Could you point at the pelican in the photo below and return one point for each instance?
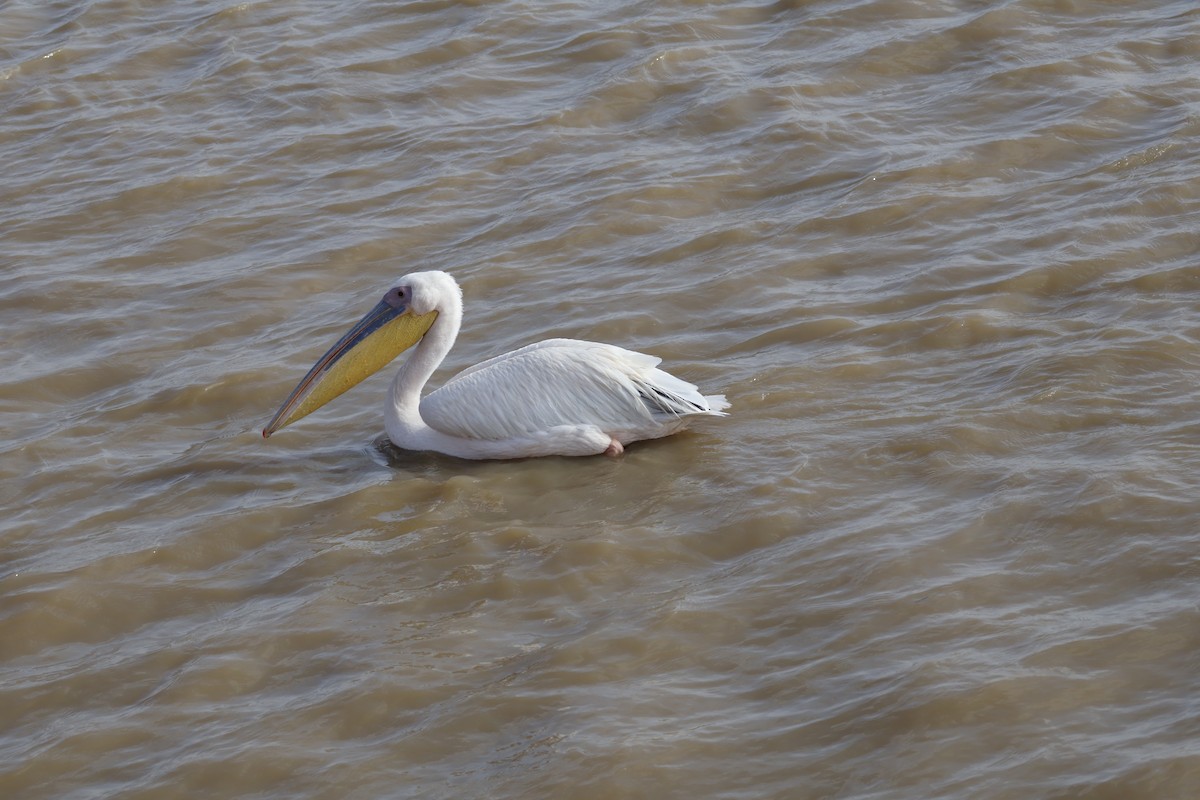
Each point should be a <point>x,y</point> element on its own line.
<point>557,397</point>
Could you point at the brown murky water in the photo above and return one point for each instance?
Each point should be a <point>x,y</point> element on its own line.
<point>941,255</point>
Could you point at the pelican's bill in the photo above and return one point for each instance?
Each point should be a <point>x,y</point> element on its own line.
<point>384,333</point>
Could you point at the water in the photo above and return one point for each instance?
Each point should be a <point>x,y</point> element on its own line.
<point>941,256</point>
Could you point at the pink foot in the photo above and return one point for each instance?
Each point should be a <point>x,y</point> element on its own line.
<point>614,449</point>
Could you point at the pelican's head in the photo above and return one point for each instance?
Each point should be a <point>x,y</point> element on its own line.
<point>396,323</point>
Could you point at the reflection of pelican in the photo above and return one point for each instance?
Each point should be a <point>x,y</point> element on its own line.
<point>557,397</point>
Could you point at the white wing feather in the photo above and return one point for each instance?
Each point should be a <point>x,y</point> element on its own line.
<point>563,382</point>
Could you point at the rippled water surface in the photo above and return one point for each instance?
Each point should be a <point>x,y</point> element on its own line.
<point>941,255</point>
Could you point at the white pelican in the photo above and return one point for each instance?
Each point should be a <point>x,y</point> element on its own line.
<point>557,397</point>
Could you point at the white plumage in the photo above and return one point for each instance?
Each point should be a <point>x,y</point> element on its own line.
<point>556,397</point>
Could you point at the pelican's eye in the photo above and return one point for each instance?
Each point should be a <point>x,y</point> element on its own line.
<point>397,296</point>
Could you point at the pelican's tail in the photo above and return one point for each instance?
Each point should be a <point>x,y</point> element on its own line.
<point>717,404</point>
<point>668,396</point>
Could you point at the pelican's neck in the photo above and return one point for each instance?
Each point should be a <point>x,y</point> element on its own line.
<point>428,354</point>
<point>402,418</point>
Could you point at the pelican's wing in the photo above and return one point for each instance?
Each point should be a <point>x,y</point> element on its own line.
<point>560,382</point>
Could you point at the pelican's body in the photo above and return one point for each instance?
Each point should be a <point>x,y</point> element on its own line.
<point>556,397</point>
